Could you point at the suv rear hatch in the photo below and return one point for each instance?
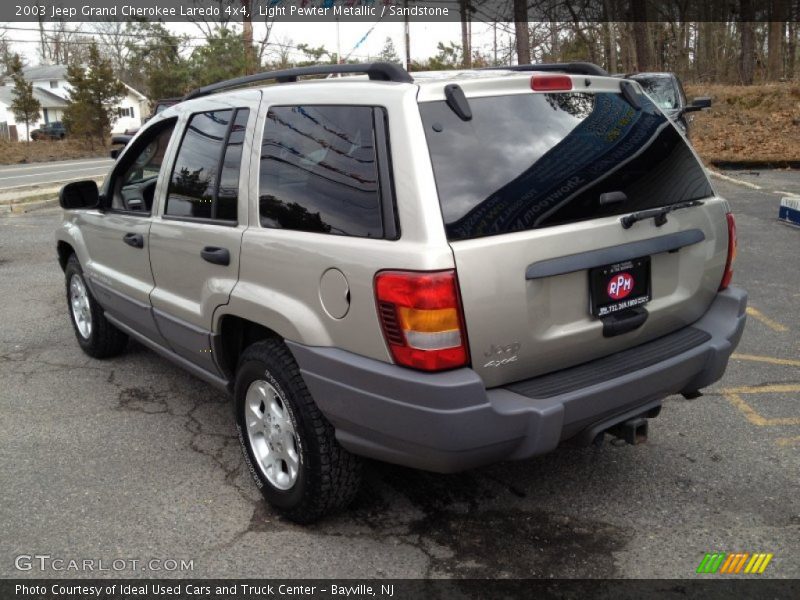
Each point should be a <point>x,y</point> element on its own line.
<point>532,189</point>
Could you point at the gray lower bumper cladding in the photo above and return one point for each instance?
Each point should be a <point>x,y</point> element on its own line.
<point>449,421</point>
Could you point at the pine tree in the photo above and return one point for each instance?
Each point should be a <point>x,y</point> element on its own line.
<point>95,92</point>
<point>25,106</point>
<point>389,54</point>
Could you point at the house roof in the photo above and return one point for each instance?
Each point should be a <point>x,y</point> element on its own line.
<point>45,72</point>
<point>59,72</point>
<point>45,98</point>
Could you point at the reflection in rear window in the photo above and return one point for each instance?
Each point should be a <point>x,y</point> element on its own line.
<point>535,160</point>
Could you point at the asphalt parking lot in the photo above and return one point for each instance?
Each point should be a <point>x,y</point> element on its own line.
<point>134,459</point>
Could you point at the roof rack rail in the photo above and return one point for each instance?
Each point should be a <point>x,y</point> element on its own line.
<point>574,68</point>
<point>377,71</point>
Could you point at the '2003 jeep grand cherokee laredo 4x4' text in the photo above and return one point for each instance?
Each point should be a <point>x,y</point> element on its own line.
<point>438,272</point>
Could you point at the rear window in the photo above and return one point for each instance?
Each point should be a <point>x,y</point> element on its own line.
<point>535,160</point>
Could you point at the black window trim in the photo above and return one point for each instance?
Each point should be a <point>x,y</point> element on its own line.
<point>125,162</point>
<point>208,221</point>
<point>386,192</point>
<point>390,222</point>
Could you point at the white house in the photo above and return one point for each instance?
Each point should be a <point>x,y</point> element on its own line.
<point>51,88</point>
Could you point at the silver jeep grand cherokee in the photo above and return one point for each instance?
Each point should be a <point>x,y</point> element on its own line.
<point>439,272</point>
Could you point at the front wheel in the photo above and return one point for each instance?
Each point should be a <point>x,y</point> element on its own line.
<point>96,336</point>
<point>290,448</point>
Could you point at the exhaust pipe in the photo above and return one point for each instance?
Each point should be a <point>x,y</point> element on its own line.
<point>632,431</point>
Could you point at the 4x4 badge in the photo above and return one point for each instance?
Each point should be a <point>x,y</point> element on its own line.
<point>503,354</point>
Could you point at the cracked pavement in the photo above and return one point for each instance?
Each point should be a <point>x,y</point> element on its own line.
<point>133,458</point>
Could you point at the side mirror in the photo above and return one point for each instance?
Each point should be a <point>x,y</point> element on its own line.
<point>698,104</point>
<point>115,153</point>
<point>79,194</point>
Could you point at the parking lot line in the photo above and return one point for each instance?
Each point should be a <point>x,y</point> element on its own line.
<point>774,388</point>
<point>752,415</point>
<point>767,359</point>
<point>789,441</point>
<point>759,316</point>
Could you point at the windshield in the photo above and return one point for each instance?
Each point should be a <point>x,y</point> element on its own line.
<point>527,161</point>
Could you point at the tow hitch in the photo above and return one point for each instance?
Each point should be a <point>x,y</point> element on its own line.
<point>632,431</point>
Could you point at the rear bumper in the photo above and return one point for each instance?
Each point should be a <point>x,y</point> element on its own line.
<point>448,421</point>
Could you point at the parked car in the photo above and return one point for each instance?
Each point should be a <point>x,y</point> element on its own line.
<point>440,272</point>
<point>50,131</point>
<point>667,92</point>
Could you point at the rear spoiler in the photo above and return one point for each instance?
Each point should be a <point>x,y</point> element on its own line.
<point>572,68</point>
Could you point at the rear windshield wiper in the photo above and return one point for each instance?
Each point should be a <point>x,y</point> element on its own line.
<point>659,214</point>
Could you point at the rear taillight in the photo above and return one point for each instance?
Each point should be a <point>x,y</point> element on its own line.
<point>551,83</point>
<point>728,274</point>
<point>421,318</point>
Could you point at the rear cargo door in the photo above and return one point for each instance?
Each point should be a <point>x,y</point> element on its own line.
<point>532,191</point>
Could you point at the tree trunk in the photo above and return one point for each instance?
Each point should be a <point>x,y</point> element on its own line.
<point>775,41</point>
<point>521,27</point>
<point>626,48</point>
<point>748,43</point>
<point>791,50</point>
<point>640,36</point>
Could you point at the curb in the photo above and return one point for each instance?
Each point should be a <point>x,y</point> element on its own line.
<point>25,207</point>
<point>14,202</point>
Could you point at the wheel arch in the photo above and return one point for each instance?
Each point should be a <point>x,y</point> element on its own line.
<point>64,250</point>
<point>233,335</point>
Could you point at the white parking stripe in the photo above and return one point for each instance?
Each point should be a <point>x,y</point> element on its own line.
<point>719,175</point>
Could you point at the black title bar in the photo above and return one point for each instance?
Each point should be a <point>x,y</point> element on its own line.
<point>388,10</point>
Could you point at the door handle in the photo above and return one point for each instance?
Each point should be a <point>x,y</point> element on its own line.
<point>134,239</point>
<point>218,256</point>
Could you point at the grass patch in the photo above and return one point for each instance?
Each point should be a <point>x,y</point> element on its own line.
<point>12,153</point>
<point>759,123</point>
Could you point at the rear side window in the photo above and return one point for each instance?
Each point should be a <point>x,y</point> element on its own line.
<point>536,160</point>
<point>319,171</point>
<point>205,178</point>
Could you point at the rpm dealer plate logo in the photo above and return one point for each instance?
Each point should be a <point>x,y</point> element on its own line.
<point>620,286</point>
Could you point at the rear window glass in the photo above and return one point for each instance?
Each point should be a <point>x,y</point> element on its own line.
<point>535,160</point>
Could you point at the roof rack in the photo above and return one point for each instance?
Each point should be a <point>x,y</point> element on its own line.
<point>377,71</point>
<point>574,68</point>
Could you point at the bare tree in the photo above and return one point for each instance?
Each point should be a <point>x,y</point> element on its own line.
<point>208,26</point>
<point>114,38</point>
<point>61,43</point>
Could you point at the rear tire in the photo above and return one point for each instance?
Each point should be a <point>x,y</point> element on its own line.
<point>96,336</point>
<point>290,449</point>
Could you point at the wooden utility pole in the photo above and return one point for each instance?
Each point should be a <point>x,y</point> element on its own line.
<point>247,38</point>
<point>407,37</point>
<point>521,28</point>
<point>466,60</point>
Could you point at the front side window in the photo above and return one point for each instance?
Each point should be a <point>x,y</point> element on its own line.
<point>136,186</point>
<point>319,171</point>
<point>205,178</point>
